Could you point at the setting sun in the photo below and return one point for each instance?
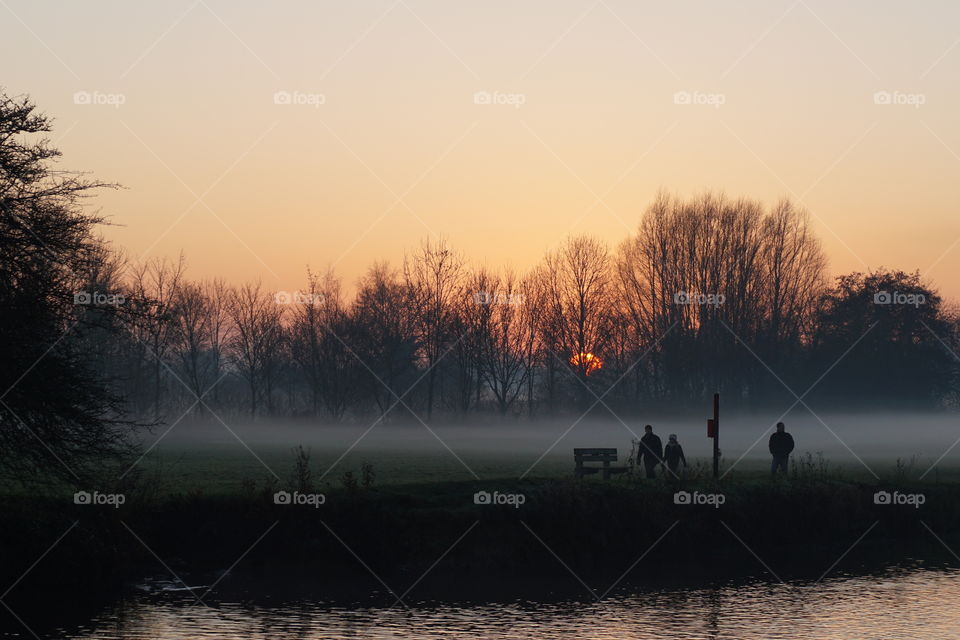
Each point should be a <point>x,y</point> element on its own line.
<point>588,361</point>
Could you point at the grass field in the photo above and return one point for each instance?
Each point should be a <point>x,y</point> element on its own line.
<point>212,458</point>
<point>222,468</point>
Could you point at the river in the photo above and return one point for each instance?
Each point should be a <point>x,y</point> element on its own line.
<point>911,604</point>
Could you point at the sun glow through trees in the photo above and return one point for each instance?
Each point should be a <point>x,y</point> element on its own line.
<point>587,361</point>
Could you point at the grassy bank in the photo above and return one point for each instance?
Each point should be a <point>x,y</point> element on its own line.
<point>804,525</point>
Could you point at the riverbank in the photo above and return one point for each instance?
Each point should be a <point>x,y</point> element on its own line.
<point>452,537</point>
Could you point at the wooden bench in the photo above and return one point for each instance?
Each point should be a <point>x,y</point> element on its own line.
<point>604,455</point>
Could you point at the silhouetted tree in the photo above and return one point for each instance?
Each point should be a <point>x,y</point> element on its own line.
<point>901,355</point>
<point>432,278</point>
<point>155,290</point>
<point>463,374</point>
<point>577,295</point>
<point>256,340</point>
<point>319,333</point>
<point>58,417</point>
<point>194,339</point>
<point>384,338</point>
<point>496,335</point>
<point>703,279</point>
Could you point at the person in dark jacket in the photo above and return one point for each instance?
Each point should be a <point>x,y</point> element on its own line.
<point>781,444</point>
<point>651,450</point>
<point>673,455</point>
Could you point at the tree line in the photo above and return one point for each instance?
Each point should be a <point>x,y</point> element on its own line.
<point>710,294</point>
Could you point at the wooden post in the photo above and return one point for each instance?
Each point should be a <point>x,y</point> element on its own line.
<point>716,435</point>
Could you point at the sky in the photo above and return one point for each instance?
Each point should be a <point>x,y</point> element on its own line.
<point>259,138</point>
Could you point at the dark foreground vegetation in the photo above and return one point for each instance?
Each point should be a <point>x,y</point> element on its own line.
<point>621,533</point>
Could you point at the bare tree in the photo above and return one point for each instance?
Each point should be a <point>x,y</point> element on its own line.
<point>471,322</point>
<point>194,338</point>
<point>503,341</point>
<point>220,327</point>
<point>384,336</point>
<point>794,267</point>
<point>319,330</point>
<point>155,288</point>
<point>576,294</point>
<point>530,341</point>
<point>256,337</point>
<point>713,272</point>
<point>433,278</point>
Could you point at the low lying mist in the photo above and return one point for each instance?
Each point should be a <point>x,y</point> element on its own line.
<point>845,439</point>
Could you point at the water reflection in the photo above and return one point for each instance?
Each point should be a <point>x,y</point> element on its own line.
<point>914,604</point>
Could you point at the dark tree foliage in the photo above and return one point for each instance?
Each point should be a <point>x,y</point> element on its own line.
<point>887,338</point>
<point>57,416</point>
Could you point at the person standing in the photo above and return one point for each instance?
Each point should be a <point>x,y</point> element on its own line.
<point>781,444</point>
<point>651,449</point>
<point>673,455</point>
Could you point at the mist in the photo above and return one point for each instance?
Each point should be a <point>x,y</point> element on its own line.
<point>867,443</point>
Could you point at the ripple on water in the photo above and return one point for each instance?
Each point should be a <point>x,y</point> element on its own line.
<point>914,605</point>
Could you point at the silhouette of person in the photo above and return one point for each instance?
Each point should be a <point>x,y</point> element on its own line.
<point>673,455</point>
<point>651,449</point>
<point>781,444</point>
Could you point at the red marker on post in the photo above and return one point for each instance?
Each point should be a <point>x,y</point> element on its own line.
<point>713,431</point>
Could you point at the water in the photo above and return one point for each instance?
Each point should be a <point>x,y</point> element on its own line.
<point>910,604</point>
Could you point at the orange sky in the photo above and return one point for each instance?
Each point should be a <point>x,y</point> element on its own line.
<point>383,141</point>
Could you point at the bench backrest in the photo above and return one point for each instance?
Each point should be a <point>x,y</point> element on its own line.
<point>596,454</point>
